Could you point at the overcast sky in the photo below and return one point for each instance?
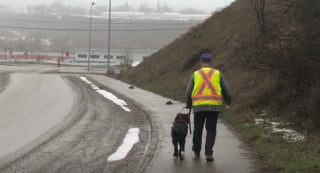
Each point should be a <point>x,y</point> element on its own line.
<point>204,5</point>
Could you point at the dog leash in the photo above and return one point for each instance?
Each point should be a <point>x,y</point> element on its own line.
<point>189,121</point>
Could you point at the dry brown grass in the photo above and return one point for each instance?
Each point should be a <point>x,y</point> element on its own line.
<point>254,90</point>
<point>168,70</point>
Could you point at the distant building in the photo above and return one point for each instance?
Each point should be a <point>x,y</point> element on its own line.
<point>117,56</point>
<point>9,55</point>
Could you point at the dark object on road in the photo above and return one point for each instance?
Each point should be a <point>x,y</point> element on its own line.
<point>179,131</point>
<point>131,87</point>
<point>169,102</point>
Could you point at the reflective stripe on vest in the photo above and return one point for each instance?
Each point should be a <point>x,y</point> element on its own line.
<point>207,89</point>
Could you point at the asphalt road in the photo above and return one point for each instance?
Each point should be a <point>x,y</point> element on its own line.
<point>94,128</point>
<point>58,123</point>
<point>30,105</point>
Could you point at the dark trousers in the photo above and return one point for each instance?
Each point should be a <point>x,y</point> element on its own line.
<point>210,119</point>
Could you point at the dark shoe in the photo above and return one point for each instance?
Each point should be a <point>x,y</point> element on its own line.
<point>209,158</point>
<point>181,155</point>
<point>197,154</point>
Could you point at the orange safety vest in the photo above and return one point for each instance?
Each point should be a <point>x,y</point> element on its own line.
<point>207,89</point>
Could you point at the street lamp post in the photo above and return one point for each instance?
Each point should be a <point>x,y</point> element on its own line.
<point>108,60</point>
<point>5,54</point>
<point>90,36</point>
<point>26,54</point>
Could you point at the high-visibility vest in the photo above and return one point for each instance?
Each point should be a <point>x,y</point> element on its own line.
<point>207,89</point>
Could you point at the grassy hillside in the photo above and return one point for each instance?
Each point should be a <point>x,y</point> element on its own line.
<point>268,80</point>
<point>168,70</point>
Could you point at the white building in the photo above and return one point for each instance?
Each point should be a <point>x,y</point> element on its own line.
<point>117,56</point>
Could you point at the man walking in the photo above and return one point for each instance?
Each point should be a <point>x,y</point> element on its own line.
<point>204,94</point>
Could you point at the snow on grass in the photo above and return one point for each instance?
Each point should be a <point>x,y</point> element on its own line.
<point>288,134</point>
<point>107,95</point>
<point>258,121</point>
<point>131,138</point>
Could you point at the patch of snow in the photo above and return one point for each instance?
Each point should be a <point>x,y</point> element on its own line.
<point>288,134</point>
<point>131,138</point>
<point>275,124</point>
<point>114,99</point>
<point>258,121</point>
<point>107,95</point>
<point>85,80</point>
<point>93,86</point>
<point>294,137</point>
<point>135,63</point>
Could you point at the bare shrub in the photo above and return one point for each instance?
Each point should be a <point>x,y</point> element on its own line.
<point>259,10</point>
<point>295,63</point>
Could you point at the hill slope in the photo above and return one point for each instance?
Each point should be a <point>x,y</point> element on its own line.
<point>273,73</point>
<point>262,72</point>
<point>168,70</point>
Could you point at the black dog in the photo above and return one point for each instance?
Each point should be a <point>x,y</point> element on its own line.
<point>179,132</point>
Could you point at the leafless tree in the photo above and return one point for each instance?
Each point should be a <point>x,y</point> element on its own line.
<point>259,10</point>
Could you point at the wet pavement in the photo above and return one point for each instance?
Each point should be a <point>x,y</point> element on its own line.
<point>231,155</point>
<point>81,142</point>
<point>22,108</point>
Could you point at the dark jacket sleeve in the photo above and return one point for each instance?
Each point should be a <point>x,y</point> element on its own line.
<point>189,92</point>
<point>225,90</point>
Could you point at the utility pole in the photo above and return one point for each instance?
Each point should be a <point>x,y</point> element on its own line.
<point>26,53</point>
<point>108,60</point>
<point>89,53</point>
<point>62,54</point>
